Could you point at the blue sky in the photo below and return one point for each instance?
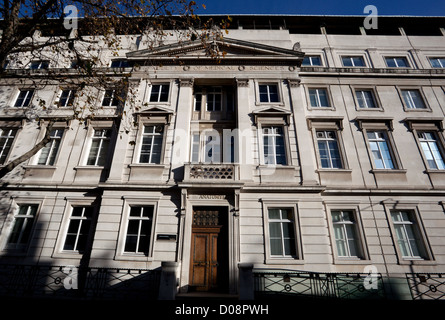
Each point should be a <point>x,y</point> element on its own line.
<point>318,7</point>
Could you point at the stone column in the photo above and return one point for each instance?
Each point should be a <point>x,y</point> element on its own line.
<point>244,152</point>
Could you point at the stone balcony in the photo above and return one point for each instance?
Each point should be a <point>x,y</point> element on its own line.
<point>207,172</point>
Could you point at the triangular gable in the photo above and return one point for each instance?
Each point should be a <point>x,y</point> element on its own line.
<point>228,49</point>
<point>157,112</point>
<point>271,112</point>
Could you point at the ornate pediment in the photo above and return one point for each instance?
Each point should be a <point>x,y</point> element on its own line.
<point>225,51</point>
<point>272,113</point>
<point>156,112</point>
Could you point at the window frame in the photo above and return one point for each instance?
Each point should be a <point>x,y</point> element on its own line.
<point>130,202</point>
<point>405,58</point>
<point>298,258</point>
<point>26,98</point>
<point>114,99</point>
<point>51,142</point>
<point>266,82</point>
<point>413,208</point>
<point>158,100</point>
<point>39,64</point>
<point>70,101</point>
<point>101,139</point>
<point>71,202</point>
<point>406,108</point>
<point>330,105</point>
<point>362,247</point>
<point>310,56</point>
<point>351,57</point>
<point>10,223</point>
<point>11,146</point>
<point>375,97</point>
<point>441,63</point>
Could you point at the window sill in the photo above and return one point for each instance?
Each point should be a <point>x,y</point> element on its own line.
<point>284,260</point>
<point>133,257</point>
<point>385,171</point>
<point>351,260</point>
<point>419,262</point>
<point>93,168</point>
<point>330,170</point>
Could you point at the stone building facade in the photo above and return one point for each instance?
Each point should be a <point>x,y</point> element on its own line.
<point>314,145</point>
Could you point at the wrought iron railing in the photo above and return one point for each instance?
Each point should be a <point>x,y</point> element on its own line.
<point>426,286</point>
<point>74,282</point>
<point>318,285</point>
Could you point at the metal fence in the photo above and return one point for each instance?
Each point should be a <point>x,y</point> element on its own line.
<point>318,285</point>
<point>79,283</point>
<point>426,286</point>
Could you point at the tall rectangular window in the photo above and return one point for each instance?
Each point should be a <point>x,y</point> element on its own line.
<point>319,98</point>
<point>50,150</point>
<point>345,233</point>
<point>365,99</point>
<point>24,98</point>
<point>353,61</point>
<point>396,62</point>
<point>67,98</point>
<point>380,149</point>
<point>431,150</point>
<point>274,148</point>
<point>328,149</point>
<point>99,147</point>
<point>139,230</point>
<point>151,146</point>
<point>214,99</point>
<point>407,234</point>
<point>268,93</point>
<point>111,98</point>
<point>78,229</point>
<point>437,62</point>
<point>282,232</point>
<point>413,99</point>
<point>159,93</point>
<point>22,227</point>
<point>6,139</point>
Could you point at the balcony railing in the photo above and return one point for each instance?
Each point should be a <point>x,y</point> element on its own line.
<point>211,172</point>
<point>426,286</point>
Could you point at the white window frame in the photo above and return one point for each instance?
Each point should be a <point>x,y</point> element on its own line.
<point>378,141</point>
<point>317,91</point>
<point>54,145</point>
<point>70,99</point>
<point>8,138</point>
<point>351,59</point>
<point>311,56</point>
<point>407,107</point>
<point>39,64</point>
<point>408,64</point>
<point>326,140</point>
<point>129,202</point>
<point>274,259</point>
<point>28,97</point>
<point>272,137</point>
<point>440,60</point>
<point>276,83</point>
<point>375,99</point>
<point>114,101</point>
<point>142,134</point>
<point>105,134</point>
<point>158,98</point>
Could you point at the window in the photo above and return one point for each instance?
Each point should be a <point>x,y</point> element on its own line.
<point>319,98</point>
<point>328,149</point>
<point>67,98</point>
<point>365,99</point>
<point>78,229</point>
<point>268,93</point>
<point>41,64</point>
<point>437,62</point>
<point>6,139</point>
<point>312,61</point>
<point>99,147</point>
<point>274,149</point>
<point>121,63</point>
<point>407,234</point>
<point>139,230</point>
<point>413,99</point>
<point>111,98</point>
<point>50,150</point>
<point>345,233</point>
<point>396,62</point>
<point>22,227</point>
<point>159,93</point>
<point>353,61</point>
<point>214,99</point>
<point>282,232</point>
<point>379,145</point>
<point>213,146</point>
<point>431,151</point>
<point>151,147</point>
<point>24,98</point>
<point>198,100</point>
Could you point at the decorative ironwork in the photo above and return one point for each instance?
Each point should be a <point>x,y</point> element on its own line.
<point>426,286</point>
<point>318,285</point>
<point>205,218</point>
<point>91,283</point>
<point>209,171</point>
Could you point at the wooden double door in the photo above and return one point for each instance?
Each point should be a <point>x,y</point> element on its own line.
<point>209,256</point>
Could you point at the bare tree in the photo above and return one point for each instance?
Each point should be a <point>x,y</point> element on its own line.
<point>36,34</point>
